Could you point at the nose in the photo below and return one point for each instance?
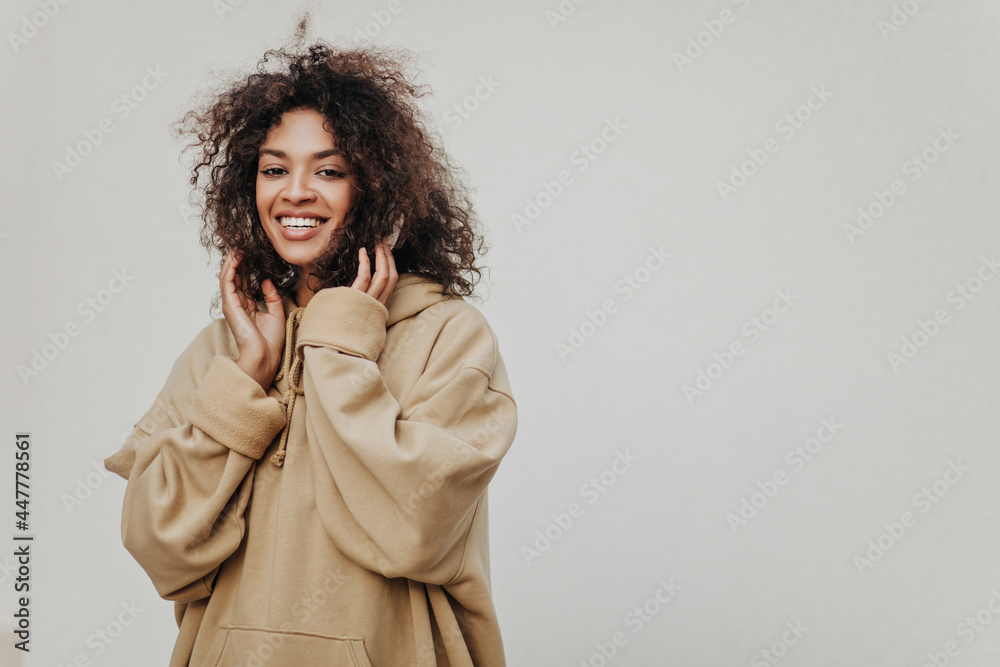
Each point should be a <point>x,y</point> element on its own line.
<point>299,188</point>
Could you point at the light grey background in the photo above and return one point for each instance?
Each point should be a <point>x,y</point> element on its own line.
<point>556,86</point>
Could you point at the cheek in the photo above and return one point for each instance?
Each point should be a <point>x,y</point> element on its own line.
<point>264,199</point>
<point>346,197</point>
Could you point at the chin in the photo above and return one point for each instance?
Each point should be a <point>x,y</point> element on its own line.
<point>298,256</point>
<point>298,259</point>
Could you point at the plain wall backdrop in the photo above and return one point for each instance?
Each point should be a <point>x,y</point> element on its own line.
<point>744,275</point>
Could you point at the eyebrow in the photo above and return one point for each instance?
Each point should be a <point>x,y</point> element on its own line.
<point>316,156</point>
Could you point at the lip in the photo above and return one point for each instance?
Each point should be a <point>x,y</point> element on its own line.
<point>304,233</point>
<point>288,213</point>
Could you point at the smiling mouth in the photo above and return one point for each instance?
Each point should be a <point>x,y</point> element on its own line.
<point>300,223</point>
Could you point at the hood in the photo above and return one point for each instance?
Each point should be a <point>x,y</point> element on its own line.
<point>413,293</point>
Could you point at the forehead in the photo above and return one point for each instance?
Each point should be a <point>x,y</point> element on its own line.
<point>299,132</point>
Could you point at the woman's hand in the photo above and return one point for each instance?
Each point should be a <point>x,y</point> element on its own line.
<point>381,285</point>
<point>260,336</point>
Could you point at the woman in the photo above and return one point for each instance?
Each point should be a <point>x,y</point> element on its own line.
<point>309,487</point>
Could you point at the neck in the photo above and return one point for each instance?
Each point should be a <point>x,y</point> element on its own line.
<point>302,292</point>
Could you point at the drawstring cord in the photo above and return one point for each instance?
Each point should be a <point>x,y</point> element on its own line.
<point>291,370</point>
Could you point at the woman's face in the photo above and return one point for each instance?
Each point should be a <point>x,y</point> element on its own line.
<point>303,187</point>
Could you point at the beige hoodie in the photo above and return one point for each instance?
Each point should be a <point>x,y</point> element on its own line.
<point>340,518</point>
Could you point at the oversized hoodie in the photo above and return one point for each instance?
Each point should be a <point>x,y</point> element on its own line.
<point>340,517</point>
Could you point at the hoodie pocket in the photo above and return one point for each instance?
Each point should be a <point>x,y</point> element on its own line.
<point>264,647</point>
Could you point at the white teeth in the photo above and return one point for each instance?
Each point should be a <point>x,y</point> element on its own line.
<point>300,222</point>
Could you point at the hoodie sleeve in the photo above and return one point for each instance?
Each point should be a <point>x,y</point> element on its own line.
<point>398,487</point>
<point>189,465</point>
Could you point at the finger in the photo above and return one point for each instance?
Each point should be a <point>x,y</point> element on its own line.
<point>225,277</point>
<point>222,282</point>
<point>232,307</point>
<point>227,289</point>
<point>246,302</point>
<point>273,299</point>
<point>391,275</point>
<point>364,271</point>
<point>228,280</point>
<point>376,289</point>
<point>378,280</point>
<point>238,285</point>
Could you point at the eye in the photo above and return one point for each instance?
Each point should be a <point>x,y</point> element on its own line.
<point>269,171</point>
<point>334,173</point>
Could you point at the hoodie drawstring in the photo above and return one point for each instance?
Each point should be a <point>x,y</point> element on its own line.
<point>291,370</point>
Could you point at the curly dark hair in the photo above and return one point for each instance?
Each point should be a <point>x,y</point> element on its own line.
<point>400,169</point>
